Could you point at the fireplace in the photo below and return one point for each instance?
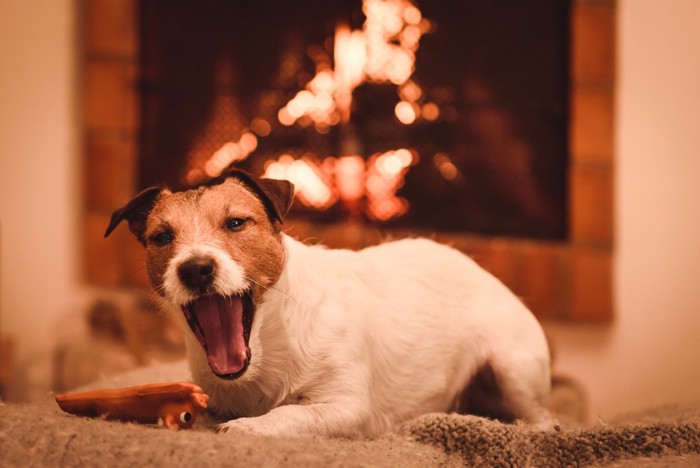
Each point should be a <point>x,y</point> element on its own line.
<point>483,124</point>
<point>446,116</point>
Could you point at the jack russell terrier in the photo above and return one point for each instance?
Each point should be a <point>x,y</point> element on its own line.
<point>295,340</point>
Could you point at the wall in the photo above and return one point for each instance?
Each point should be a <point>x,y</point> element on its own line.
<point>651,354</point>
<point>38,176</point>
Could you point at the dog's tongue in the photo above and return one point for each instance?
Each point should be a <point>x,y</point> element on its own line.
<point>220,331</point>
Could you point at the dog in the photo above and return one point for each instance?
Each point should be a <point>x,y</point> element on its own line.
<point>294,340</point>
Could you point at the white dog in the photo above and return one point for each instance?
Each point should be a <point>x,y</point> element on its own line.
<point>295,340</point>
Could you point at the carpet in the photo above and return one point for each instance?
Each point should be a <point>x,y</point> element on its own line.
<point>41,435</point>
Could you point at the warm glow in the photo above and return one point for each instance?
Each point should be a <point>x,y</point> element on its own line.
<point>447,168</point>
<point>430,111</point>
<point>261,126</point>
<point>410,91</point>
<point>350,177</point>
<point>405,112</point>
<point>393,162</point>
<point>412,15</point>
<point>385,175</point>
<point>383,51</point>
<point>315,104</point>
<point>301,104</point>
<point>350,57</point>
<point>195,176</point>
<point>224,156</point>
<point>392,39</point>
<point>248,143</point>
<point>229,153</point>
<point>285,117</point>
<point>376,180</point>
<point>410,36</point>
<point>308,182</point>
<point>406,157</point>
<point>323,82</point>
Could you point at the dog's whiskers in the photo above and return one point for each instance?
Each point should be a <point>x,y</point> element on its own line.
<point>160,288</point>
<point>151,296</point>
<point>270,287</point>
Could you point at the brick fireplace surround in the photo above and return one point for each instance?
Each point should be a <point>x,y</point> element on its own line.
<point>568,280</point>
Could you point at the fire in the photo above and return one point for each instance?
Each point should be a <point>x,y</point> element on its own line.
<point>385,176</point>
<point>308,181</point>
<point>447,168</point>
<point>349,179</point>
<point>393,29</point>
<point>229,153</point>
<point>350,56</point>
<point>405,112</point>
<point>383,51</point>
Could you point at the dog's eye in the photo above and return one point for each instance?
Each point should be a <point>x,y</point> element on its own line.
<point>163,238</point>
<point>234,224</point>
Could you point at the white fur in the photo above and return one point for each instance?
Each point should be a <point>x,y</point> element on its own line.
<point>350,343</point>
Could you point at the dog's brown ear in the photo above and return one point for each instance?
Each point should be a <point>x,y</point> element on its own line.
<point>135,213</point>
<point>276,195</point>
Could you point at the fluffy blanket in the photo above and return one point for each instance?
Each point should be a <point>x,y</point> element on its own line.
<point>41,435</point>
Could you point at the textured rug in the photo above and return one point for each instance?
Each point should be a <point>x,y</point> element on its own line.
<point>484,442</point>
<point>41,435</point>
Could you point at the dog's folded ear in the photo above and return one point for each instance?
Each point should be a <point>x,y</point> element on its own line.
<point>277,195</point>
<point>135,213</point>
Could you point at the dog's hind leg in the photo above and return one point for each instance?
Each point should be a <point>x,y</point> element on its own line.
<point>525,382</point>
<point>483,396</point>
<point>508,391</point>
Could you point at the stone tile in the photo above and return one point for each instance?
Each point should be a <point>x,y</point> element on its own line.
<point>110,170</point>
<point>110,27</point>
<point>591,285</point>
<point>102,257</point>
<point>109,96</point>
<point>592,125</point>
<point>498,257</point>
<point>593,43</point>
<point>542,279</point>
<point>591,205</point>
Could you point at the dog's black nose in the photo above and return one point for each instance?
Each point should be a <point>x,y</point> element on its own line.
<point>197,273</point>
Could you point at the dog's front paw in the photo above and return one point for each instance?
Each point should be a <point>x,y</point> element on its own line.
<point>247,426</point>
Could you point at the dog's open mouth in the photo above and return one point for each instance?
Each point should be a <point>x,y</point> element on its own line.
<point>222,325</point>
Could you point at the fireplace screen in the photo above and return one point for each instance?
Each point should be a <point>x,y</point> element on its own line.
<point>438,115</point>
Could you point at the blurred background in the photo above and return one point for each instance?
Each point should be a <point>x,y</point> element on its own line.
<point>553,141</point>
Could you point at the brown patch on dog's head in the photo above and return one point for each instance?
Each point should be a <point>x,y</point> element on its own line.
<point>276,195</point>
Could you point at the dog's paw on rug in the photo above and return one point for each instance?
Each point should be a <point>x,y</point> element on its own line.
<point>485,442</point>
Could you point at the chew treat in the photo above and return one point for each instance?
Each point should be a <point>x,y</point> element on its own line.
<point>174,405</point>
